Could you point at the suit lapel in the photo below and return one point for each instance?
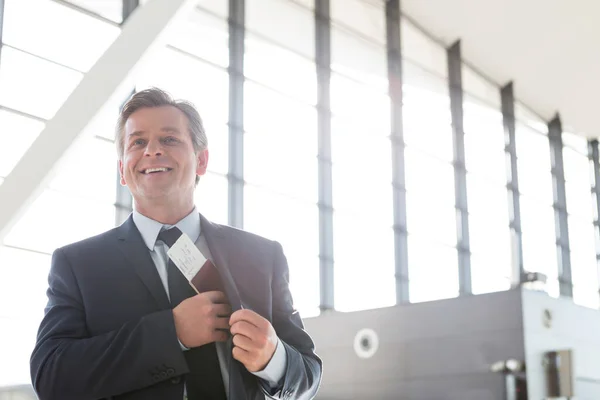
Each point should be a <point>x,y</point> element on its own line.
<point>132,245</point>
<point>217,244</point>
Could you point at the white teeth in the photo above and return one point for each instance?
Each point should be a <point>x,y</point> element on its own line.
<point>149,170</point>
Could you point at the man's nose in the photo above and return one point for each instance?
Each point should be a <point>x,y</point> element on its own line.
<point>154,148</point>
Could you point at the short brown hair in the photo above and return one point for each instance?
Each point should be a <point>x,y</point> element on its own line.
<point>154,97</point>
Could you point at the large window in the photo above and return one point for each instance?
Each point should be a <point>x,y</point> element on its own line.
<point>430,199</point>
<point>44,56</point>
<point>361,157</point>
<point>280,139</point>
<point>485,156</point>
<point>584,269</point>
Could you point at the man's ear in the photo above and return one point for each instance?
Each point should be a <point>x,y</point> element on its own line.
<point>121,173</point>
<point>201,162</point>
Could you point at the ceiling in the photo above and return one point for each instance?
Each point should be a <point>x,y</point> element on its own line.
<point>550,49</point>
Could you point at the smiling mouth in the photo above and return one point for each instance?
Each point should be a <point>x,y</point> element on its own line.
<point>148,171</point>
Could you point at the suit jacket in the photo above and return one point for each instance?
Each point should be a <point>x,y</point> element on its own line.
<point>108,329</point>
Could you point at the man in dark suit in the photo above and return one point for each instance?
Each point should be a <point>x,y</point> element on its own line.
<point>123,322</point>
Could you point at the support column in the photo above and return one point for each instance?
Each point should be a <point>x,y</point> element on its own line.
<point>460,170</point>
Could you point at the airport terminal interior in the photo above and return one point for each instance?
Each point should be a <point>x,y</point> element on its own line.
<point>430,167</point>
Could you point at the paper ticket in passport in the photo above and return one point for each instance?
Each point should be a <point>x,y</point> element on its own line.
<point>186,256</point>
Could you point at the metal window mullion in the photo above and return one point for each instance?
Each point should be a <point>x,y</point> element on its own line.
<point>460,171</point>
<point>512,185</point>
<point>1,25</point>
<point>594,157</point>
<point>124,201</point>
<point>236,112</point>
<point>394,59</point>
<point>565,279</point>
<point>325,167</point>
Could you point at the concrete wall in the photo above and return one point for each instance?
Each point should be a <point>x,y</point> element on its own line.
<point>440,350</point>
<point>572,327</point>
<point>24,392</point>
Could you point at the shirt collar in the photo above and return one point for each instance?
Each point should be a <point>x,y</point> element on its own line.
<point>149,228</point>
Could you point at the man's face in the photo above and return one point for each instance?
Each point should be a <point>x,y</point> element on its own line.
<point>159,161</point>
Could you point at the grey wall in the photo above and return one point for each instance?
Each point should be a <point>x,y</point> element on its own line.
<point>573,327</point>
<point>439,350</point>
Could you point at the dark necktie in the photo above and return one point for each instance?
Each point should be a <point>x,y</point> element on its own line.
<point>204,380</point>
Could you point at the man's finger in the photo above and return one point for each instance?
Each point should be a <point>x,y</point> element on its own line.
<point>244,342</point>
<point>244,328</point>
<point>222,323</point>
<point>223,310</point>
<point>240,354</point>
<point>216,297</point>
<point>248,316</point>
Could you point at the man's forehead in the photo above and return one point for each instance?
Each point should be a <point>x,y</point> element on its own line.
<point>155,118</point>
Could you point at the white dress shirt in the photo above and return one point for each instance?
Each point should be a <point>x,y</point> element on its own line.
<point>273,373</point>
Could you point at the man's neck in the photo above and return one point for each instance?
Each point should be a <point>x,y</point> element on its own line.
<point>167,213</point>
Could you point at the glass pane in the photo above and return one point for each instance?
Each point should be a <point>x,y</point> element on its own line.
<point>23,283</point>
<point>584,267</point>
<point>433,270</point>
<point>20,132</point>
<point>57,33</point>
<point>579,200</point>
<point>305,284</point>
<point>489,272</point>
<point>267,112</point>
<point>89,169</point>
<point>479,87</point>
<point>280,69</point>
<point>526,116</point>
<point>294,224</point>
<point>577,167</point>
<point>285,169</point>
<point>533,163</point>
<point>421,50</point>
<point>16,345</point>
<point>111,9</point>
<point>575,142</point>
<point>218,146</point>
<point>362,173</point>
<point>32,85</point>
<point>207,87</point>
<point>283,219</point>
<point>484,142</point>
<point>211,197</point>
<point>364,264</point>
<point>365,18</point>
<point>427,121</point>
<point>488,219</point>
<point>56,219</point>
<point>219,8</point>
<point>539,248</point>
<point>358,59</point>
<point>430,202</point>
<point>367,109</point>
<point>203,35</point>
<point>586,296</point>
<point>293,26</point>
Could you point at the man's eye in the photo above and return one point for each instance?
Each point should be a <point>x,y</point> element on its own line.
<point>170,139</point>
<point>138,142</point>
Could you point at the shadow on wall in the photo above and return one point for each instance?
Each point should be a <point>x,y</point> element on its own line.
<point>20,392</point>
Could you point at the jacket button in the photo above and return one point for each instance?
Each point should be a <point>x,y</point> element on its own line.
<point>176,380</point>
<point>163,375</point>
<point>155,377</point>
<point>170,371</point>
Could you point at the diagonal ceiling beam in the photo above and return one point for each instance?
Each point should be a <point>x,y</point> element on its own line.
<point>106,83</point>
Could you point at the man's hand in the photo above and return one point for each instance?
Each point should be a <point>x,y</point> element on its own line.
<point>202,319</point>
<point>254,339</point>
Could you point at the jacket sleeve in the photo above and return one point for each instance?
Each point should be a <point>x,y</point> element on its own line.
<point>67,363</point>
<point>303,368</point>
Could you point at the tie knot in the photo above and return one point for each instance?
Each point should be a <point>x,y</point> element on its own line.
<point>169,236</point>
